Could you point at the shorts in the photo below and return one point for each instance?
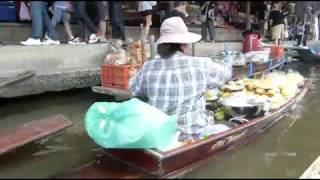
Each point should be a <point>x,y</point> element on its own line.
<point>146,12</point>
<point>60,15</point>
<point>103,10</point>
<point>277,31</point>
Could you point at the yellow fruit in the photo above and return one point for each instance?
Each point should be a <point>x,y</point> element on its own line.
<point>226,94</point>
<point>260,91</point>
<point>270,93</point>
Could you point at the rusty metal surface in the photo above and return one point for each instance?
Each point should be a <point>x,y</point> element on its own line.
<point>11,139</point>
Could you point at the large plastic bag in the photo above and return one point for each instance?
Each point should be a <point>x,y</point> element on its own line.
<point>131,124</point>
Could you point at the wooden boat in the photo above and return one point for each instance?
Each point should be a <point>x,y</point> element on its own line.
<point>183,159</point>
<point>13,138</point>
<point>175,163</point>
<point>307,56</point>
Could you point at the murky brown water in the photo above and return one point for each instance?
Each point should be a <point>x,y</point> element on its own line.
<point>284,151</point>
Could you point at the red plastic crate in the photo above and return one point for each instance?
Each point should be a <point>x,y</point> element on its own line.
<point>115,76</point>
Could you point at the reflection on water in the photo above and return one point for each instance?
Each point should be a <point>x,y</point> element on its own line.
<point>284,151</point>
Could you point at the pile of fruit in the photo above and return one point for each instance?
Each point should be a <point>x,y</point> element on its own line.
<point>277,87</point>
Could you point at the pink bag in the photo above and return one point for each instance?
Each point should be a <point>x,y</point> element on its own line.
<point>24,14</point>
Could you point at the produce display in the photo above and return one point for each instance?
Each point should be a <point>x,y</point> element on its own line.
<point>274,90</point>
<point>240,59</point>
<point>131,54</point>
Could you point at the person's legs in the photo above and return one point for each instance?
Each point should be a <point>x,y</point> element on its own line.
<point>299,39</point>
<point>211,29</point>
<point>306,34</point>
<point>204,31</point>
<point>85,18</point>
<point>56,18</point>
<point>117,23</point>
<point>37,19</point>
<point>148,23</point>
<point>81,26</point>
<point>103,11</point>
<point>66,24</point>
<point>47,22</point>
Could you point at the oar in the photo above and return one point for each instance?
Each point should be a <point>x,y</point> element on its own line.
<point>18,78</point>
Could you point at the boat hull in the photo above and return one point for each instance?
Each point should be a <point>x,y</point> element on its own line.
<point>307,56</point>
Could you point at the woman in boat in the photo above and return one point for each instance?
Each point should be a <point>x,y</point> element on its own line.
<point>175,83</point>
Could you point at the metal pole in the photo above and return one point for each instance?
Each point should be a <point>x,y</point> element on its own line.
<point>142,43</point>
<point>152,47</point>
<point>248,14</point>
<point>193,49</point>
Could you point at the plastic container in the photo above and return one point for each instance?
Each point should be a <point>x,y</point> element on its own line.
<point>115,76</point>
<point>276,52</point>
<point>251,42</point>
<point>8,13</point>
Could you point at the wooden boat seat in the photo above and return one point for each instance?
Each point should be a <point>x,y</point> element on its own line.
<point>11,139</point>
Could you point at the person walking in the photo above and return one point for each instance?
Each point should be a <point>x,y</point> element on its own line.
<point>41,21</point>
<point>277,23</point>
<point>145,10</point>
<point>117,24</point>
<point>84,22</point>
<point>62,12</point>
<point>207,16</point>
<point>104,18</point>
<point>179,9</point>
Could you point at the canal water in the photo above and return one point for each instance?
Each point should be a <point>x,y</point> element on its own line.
<point>284,151</point>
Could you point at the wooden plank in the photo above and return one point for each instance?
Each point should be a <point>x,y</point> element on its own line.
<point>118,93</point>
<point>313,171</point>
<point>11,139</point>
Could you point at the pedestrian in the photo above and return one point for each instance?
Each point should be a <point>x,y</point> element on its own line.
<point>262,19</point>
<point>41,21</point>
<point>145,10</point>
<point>84,22</point>
<point>117,24</point>
<point>207,17</point>
<point>175,83</point>
<point>62,12</point>
<point>276,19</point>
<point>104,19</point>
<point>179,10</point>
<point>300,31</point>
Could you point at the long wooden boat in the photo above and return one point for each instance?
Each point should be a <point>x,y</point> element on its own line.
<point>177,162</point>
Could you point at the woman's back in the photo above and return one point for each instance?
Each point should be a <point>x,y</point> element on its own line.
<point>176,85</point>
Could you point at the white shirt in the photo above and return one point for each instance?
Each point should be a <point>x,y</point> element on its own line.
<point>146,5</point>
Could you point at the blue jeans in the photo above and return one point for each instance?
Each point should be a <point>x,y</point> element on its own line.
<point>116,14</point>
<point>41,20</point>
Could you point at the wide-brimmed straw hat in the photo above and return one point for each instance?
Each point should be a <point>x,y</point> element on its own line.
<point>174,30</point>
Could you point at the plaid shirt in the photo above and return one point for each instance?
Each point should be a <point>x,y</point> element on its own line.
<point>177,85</point>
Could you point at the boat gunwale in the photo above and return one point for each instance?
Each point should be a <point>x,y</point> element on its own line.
<point>216,137</point>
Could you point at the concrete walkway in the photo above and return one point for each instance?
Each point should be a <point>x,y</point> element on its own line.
<point>16,32</point>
